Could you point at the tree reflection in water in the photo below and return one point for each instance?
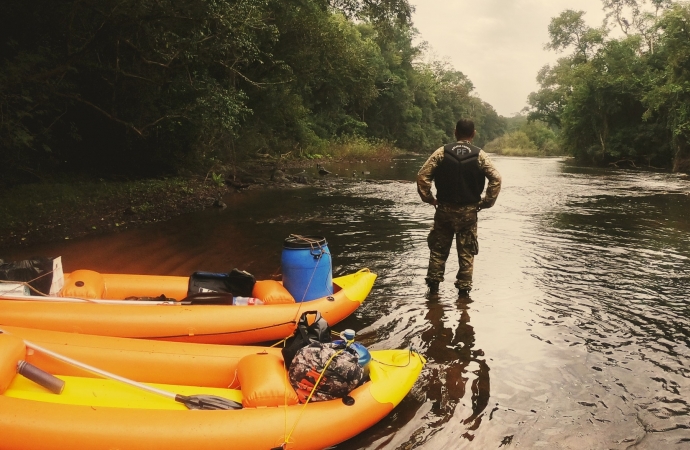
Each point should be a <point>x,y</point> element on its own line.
<point>455,367</point>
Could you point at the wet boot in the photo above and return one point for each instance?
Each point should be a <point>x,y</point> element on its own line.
<point>433,286</point>
<point>463,298</point>
<point>463,289</point>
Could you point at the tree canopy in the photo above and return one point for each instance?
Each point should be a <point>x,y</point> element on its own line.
<point>624,98</point>
<point>149,87</point>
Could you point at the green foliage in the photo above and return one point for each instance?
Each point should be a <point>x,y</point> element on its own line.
<point>525,138</point>
<point>622,99</point>
<point>218,179</point>
<point>669,98</point>
<point>516,143</point>
<point>543,137</point>
<point>125,88</point>
<point>356,148</point>
<point>569,30</point>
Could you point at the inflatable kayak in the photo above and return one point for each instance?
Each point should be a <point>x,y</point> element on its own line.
<point>90,411</point>
<point>111,305</point>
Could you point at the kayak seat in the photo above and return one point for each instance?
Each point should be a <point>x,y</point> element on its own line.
<point>264,381</point>
<point>84,284</point>
<point>12,350</point>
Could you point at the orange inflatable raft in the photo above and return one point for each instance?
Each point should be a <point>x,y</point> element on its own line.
<point>99,413</point>
<point>94,303</point>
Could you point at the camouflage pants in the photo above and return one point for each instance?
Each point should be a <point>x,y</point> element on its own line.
<point>459,222</point>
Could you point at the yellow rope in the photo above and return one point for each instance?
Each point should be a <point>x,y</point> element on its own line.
<point>287,382</point>
<point>282,341</point>
<point>289,435</point>
<point>312,243</point>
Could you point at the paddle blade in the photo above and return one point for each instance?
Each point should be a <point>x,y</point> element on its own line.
<point>208,402</point>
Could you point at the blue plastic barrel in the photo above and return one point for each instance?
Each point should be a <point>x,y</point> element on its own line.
<point>306,266</point>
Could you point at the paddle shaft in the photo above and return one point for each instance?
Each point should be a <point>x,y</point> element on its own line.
<point>207,402</point>
<point>34,298</point>
<point>100,372</point>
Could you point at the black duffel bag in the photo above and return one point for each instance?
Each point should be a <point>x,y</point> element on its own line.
<point>238,282</point>
<point>305,334</point>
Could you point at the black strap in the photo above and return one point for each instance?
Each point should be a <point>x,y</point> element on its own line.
<point>303,324</point>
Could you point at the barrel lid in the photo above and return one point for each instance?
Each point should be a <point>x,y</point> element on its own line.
<point>298,241</point>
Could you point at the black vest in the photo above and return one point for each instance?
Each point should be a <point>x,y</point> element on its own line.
<point>458,178</point>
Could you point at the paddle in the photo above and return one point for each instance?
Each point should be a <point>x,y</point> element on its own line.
<point>202,298</point>
<point>208,402</point>
<point>40,377</point>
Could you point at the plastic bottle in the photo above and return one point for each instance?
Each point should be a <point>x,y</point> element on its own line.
<point>348,335</point>
<point>246,301</point>
<point>362,353</point>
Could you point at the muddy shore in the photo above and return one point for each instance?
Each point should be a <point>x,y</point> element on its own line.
<point>121,212</point>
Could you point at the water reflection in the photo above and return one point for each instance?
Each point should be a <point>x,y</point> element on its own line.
<point>455,367</point>
<point>451,398</point>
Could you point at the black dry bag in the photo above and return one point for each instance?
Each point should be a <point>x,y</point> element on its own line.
<point>37,271</point>
<point>238,282</point>
<point>305,334</point>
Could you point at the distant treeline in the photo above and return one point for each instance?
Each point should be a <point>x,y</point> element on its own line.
<point>624,100</point>
<point>526,137</point>
<point>149,87</point>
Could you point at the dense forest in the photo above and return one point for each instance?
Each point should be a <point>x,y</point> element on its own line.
<point>125,88</point>
<point>133,88</point>
<point>621,95</point>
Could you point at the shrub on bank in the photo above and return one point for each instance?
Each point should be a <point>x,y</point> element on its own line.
<point>535,141</point>
<point>516,143</point>
<point>352,148</point>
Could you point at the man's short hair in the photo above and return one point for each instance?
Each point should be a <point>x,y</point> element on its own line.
<point>464,128</point>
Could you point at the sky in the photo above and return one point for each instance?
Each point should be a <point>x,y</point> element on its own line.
<point>497,44</point>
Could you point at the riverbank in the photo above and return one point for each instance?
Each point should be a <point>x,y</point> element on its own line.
<point>33,214</point>
<point>49,212</point>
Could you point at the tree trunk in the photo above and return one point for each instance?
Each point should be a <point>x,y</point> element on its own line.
<point>681,161</point>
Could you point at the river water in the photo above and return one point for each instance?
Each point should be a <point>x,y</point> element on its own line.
<point>577,333</point>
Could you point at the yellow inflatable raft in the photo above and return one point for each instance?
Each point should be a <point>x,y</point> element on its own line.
<point>99,413</point>
<point>94,303</point>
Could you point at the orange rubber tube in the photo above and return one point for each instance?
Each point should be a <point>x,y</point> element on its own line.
<point>213,324</point>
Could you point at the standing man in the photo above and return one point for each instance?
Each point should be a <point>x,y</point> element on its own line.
<point>459,171</point>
